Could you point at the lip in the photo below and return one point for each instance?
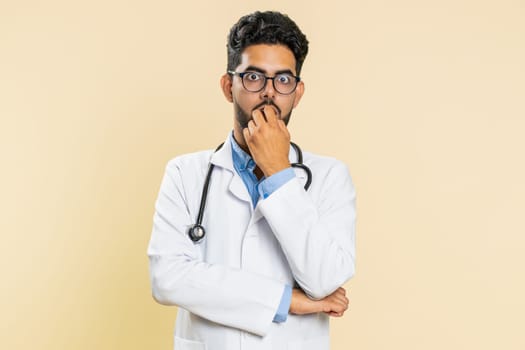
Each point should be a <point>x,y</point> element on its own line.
<point>275,109</point>
<point>277,114</point>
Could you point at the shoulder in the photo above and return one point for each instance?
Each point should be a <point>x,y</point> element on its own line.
<point>330,175</point>
<point>326,163</point>
<point>193,162</point>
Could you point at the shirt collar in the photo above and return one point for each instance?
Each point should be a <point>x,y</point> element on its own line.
<point>241,159</point>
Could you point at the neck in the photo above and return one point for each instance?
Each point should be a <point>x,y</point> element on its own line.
<point>239,138</point>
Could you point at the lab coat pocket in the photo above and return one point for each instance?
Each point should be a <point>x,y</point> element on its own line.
<point>184,344</point>
<point>317,343</point>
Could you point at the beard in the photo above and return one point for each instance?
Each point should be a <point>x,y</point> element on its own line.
<point>243,118</point>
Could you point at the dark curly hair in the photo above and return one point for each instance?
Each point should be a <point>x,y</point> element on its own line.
<point>266,28</point>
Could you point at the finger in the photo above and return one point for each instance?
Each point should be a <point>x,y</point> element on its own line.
<point>282,125</point>
<point>247,136</point>
<point>342,299</point>
<point>341,307</point>
<point>336,314</point>
<point>338,292</point>
<point>258,117</point>
<point>251,127</point>
<point>283,128</point>
<point>270,114</point>
<point>345,307</point>
<point>335,306</point>
<point>343,302</point>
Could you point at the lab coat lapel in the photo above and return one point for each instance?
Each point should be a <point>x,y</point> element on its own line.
<point>223,158</point>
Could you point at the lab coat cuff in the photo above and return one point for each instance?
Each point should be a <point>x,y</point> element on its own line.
<point>274,182</point>
<point>284,306</point>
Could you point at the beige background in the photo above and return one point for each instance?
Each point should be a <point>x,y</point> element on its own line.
<point>423,99</point>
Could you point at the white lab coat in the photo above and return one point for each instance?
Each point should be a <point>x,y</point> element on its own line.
<point>228,287</point>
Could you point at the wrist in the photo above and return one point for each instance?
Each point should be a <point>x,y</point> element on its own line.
<point>275,168</point>
<point>301,304</point>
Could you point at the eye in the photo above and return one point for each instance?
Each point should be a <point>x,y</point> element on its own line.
<point>284,79</point>
<point>252,76</point>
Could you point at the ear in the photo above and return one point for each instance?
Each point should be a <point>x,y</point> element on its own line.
<point>299,91</point>
<point>226,86</point>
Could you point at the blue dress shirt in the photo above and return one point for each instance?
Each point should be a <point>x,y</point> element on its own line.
<point>244,165</point>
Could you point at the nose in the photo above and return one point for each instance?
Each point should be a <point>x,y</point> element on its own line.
<point>268,92</point>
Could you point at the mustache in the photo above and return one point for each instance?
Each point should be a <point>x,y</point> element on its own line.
<point>267,102</point>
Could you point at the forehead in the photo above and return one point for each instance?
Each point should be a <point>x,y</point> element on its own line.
<point>269,58</point>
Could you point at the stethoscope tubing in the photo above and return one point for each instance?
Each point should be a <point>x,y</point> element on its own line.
<point>205,188</point>
<point>196,232</point>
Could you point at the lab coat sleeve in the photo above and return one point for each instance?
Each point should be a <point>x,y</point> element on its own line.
<point>317,238</point>
<point>224,295</point>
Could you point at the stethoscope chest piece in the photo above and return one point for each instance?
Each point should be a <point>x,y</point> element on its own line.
<point>196,232</point>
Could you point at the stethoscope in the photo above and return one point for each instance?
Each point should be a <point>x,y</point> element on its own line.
<point>197,232</point>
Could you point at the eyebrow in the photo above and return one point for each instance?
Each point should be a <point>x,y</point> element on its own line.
<point>260,70</point>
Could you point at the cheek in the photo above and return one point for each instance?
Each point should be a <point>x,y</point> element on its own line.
<point>246,100</point>
<point>286,105</point>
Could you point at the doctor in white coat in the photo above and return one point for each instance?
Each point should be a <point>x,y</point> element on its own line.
<point>269,270</point>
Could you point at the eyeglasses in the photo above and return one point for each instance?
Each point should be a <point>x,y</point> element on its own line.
<point>283,83</point>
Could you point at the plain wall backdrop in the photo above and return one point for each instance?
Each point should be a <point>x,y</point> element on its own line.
<point>424,100</point>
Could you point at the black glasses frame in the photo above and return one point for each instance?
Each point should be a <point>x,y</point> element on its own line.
<point>242,74</point>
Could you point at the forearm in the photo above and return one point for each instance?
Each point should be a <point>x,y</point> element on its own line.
<point>179,276</point>
<point>227,296</point>
<point>318,241</point>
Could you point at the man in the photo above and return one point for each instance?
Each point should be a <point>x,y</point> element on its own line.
<point>268,272</point>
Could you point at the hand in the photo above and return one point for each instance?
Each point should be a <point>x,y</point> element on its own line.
<point>268,140</point>
<point>334,304</point>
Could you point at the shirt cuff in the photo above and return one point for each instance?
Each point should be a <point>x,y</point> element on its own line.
<point>284,306</point>
<point>269,185</point>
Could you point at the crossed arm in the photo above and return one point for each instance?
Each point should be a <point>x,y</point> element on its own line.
<point>268,141</point>
<point>230,296</point>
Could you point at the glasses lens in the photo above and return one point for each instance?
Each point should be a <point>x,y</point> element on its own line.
<point>253,81</point>
<point>285,83</point>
